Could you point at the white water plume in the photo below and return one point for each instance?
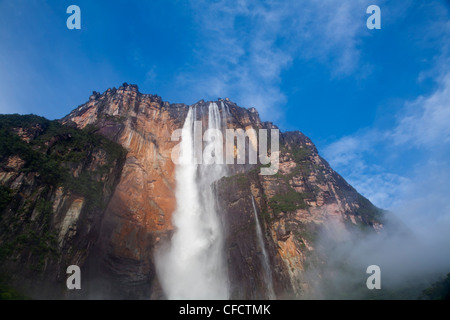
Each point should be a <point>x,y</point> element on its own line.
<point>265,257</point>
<point>192,267</point>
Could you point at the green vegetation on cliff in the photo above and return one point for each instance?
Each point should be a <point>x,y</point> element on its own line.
<point>46,155</point>
<point>7,292</point>
<point>5,197</point>
<point>440,290</point>
<point>288,202</point>
<point>54,151</point>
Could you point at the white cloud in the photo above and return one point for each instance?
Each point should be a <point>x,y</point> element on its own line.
<point>348,151</point>
<point>418,197</point>
<point>350,156</point>
<point>423,124</point>
<point>329,31</point>
<point>151,75</point>
<point>247,44</point>
<point>426,121</point>
<point>425,203</point>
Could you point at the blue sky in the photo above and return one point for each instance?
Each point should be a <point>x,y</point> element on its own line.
<point>375,102</point>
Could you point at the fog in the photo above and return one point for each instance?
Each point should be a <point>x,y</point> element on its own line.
<point>413,250</point>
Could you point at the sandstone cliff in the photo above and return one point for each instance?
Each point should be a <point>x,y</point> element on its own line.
<point>56,182</point>
<point>115,243</point>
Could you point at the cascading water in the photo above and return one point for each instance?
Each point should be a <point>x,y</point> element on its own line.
<point>265,257</point>
<point>193,266</point>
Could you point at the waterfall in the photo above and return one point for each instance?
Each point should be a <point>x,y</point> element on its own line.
<point>193,267</point>
<point>265,257</point>
<point>225,112</point>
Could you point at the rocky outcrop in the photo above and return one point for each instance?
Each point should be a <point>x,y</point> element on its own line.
<point>303,198</point>
<point>139,214</point>
<point>114,241</point>
<point>140,211</point>
<point>55,183</point>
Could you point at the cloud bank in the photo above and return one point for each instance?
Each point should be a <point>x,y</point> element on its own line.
<point>405,169</point>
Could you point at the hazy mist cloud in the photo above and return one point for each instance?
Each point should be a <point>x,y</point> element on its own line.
<point>413,256</point>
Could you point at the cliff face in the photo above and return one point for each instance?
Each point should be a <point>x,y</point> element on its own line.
<point>140,211</point>
<point>305,198</point>
<point>55,182</point>
<point>115,243</point>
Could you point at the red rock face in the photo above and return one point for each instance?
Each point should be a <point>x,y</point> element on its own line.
<point>55,183</point>
<point>140,210</point>
<point>305,198</point>
<point>113,238</point>
<point>142,125</point>
<point>139,214</point>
